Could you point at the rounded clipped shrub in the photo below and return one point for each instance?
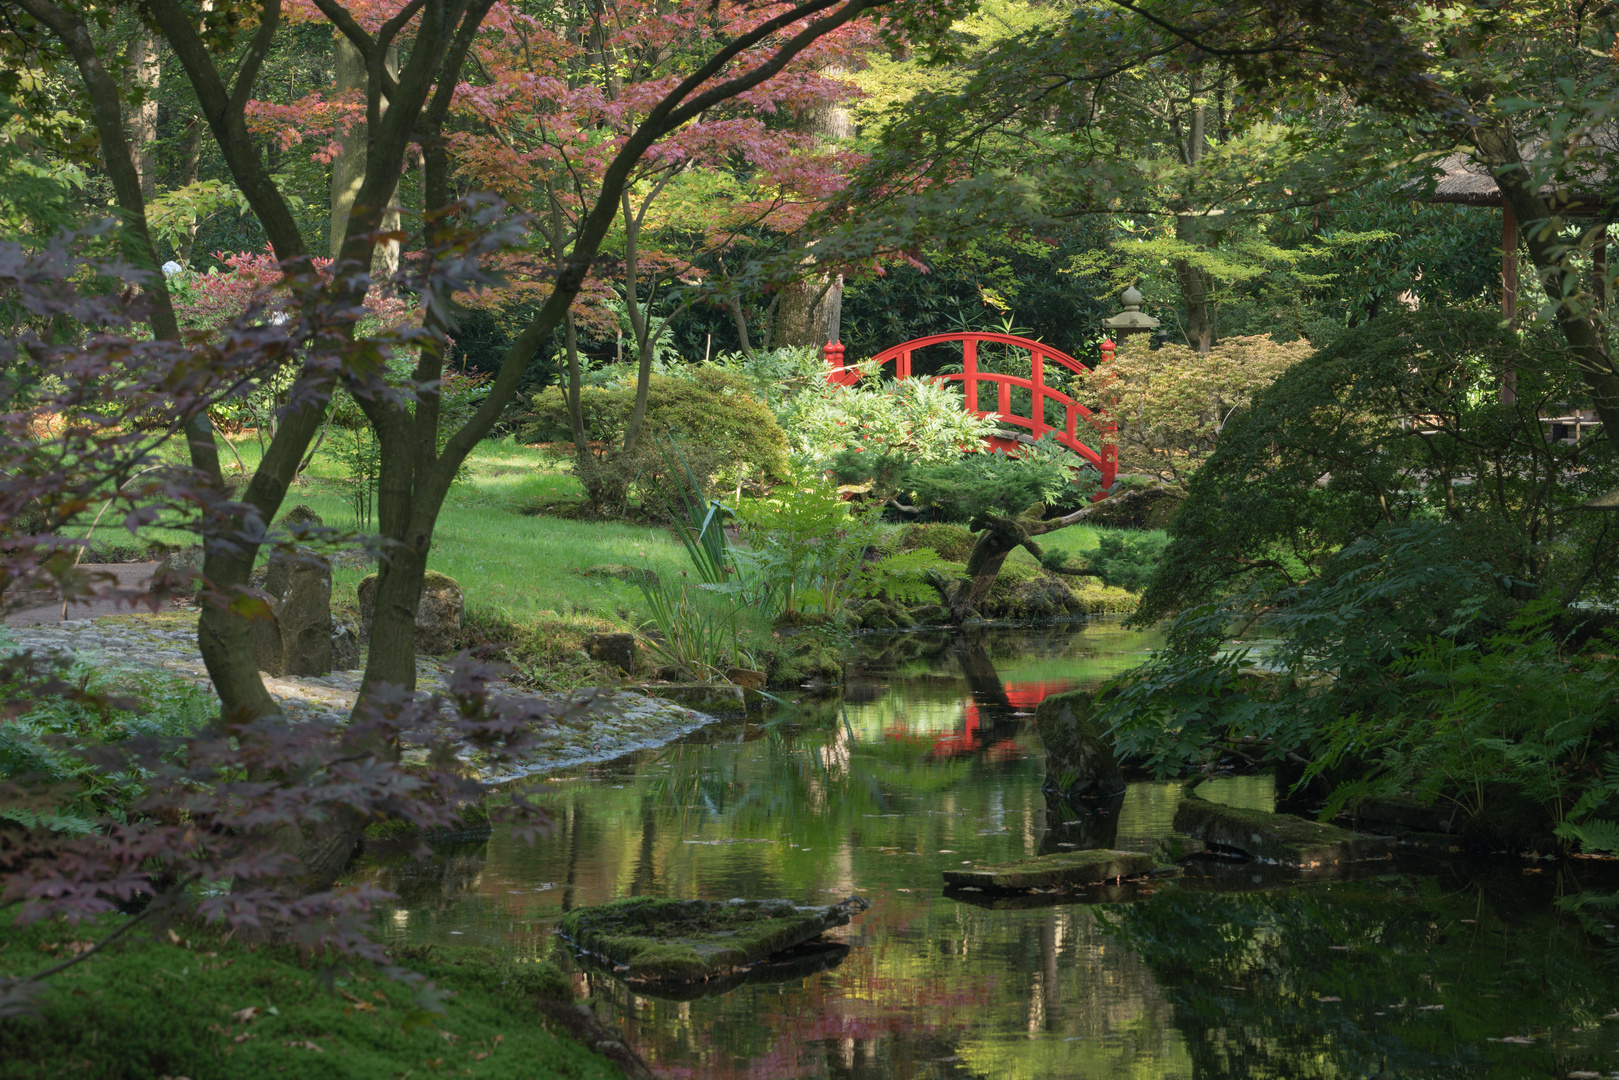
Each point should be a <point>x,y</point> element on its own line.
<point>720,426</point>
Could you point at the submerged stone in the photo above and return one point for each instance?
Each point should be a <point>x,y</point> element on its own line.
<point>1281,838</point>
<point>716,699</point>
<point>647,939</point>
<point>1064,869</point>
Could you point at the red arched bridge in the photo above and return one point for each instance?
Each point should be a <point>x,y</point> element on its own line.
<point>1078,422</point>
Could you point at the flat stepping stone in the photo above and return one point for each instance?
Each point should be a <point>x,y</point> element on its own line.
<point>650,940</point>
<point>1279,838</point>
<point>1065,869</point>
<point>792,966</point>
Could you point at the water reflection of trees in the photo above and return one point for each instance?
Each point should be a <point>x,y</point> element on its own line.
<point>1411,977</point>
<point>818,807</point>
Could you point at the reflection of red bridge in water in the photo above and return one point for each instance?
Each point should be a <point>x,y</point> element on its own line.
<point>1077,420</point>
<point>973,737</point>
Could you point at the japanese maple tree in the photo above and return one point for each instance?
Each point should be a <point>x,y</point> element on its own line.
<point>416,55</point>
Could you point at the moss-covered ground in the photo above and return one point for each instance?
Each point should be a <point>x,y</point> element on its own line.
<point>194,1006</point>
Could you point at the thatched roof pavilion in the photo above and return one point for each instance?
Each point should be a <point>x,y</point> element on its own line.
<point>1465,182</point>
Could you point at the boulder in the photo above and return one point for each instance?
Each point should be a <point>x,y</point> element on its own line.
<point>1279,838</point>
<point>746,678</point>
<point>438,613</point>
<point>345,642</point>
<point>297,638</point>
<point>810,661</point>
<point>617,650</point>
<point>1065,869</point>
<point>301,515</point>
<point>1079,751</point>
<point>650,940</point>
<point>1403,813</point>
<point>185,563</point>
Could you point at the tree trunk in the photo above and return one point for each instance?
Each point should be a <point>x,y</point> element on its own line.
<point>810,313</point>
<point>811,310</point>
<point>999,536</point>
<point>348,168</point>
<point>1195,285</point>
<point>146,67</point>
<point>1196,302</point>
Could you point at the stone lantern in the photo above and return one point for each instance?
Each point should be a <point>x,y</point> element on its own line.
<point>1132,320</point>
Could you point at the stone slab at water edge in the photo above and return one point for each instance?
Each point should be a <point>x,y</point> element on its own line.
<point>1279,838</point>
<point>603,725</point>
<point>1063,870</point>
<point>650,940</point>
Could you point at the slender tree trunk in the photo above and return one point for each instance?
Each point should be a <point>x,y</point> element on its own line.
<point>147,68</point>
<point>1195,285</point>
<point>1196,288</point>
<point>349,167</point>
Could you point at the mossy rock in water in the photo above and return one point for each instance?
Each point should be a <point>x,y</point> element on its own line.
<point>809,660</point>
<point>1062,870</point>
<point>647,939</point>
<point>1025,591</point>
<point>1280,838</point>
<point>1079,750</point>
<point>883,615</point>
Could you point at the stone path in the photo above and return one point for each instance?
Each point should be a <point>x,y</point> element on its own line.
<point>129,575</point>
<point>614,723</point>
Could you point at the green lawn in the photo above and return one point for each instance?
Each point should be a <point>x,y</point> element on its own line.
<point>513,563</point>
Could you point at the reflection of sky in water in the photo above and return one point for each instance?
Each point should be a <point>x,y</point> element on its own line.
<point>910,777</point>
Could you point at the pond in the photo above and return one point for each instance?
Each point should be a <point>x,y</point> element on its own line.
<point>1416,968</point>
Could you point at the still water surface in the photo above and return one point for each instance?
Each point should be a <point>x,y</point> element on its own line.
<point>1421,968</point>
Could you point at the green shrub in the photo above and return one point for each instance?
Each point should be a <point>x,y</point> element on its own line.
<point>970,485</point>
<point>41,742</point>
<point>711,411</point>
<point>920,420</point>
<point>1127,561</point>
<point>777,376</point>
<point>806,552</point>
<point>1329,454</point>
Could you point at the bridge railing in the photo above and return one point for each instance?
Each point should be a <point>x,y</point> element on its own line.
<point>1096,423</point>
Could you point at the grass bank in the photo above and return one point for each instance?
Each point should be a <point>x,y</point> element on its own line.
<point>197,1007</point>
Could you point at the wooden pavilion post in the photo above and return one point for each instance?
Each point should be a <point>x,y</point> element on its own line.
<point>1509,292</point>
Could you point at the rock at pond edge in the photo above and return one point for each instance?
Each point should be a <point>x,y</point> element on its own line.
<point>1280,838</point>
<point>1079,752</point>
